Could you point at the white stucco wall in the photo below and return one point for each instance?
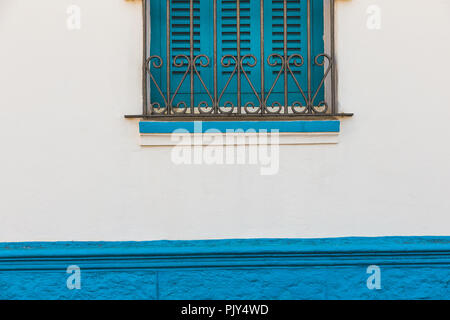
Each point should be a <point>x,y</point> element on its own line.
<point>71,167</point>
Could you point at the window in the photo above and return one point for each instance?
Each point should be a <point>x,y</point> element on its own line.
<point>239,58</point>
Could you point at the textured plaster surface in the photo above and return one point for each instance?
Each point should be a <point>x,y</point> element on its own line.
<point>411,268</point>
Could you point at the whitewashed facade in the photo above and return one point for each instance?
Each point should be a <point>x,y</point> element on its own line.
<point>72,167</point>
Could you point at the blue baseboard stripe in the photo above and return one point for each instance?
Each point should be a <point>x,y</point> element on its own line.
<point>301,126</point>
<point>410,268</point>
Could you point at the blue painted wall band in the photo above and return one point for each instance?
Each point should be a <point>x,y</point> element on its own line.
<point>410,268</point>
<point>301,126</point>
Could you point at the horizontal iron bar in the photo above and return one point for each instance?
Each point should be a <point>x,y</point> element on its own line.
<point>239,116</point>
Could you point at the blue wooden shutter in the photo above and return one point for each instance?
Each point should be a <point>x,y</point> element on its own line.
<point>297,40</point>
<point>250,44</point>
<point>180,45</point>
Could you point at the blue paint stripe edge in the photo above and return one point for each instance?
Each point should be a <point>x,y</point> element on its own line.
<point>300,126</point>
<point>226,247</point>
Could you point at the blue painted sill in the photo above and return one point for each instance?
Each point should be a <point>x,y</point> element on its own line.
<point>299,126</point>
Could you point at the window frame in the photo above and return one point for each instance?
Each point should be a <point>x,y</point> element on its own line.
<point>241,111</point>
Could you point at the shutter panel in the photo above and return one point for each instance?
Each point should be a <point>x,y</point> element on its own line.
<point>250,44</point>
<point>180,45</point>
<point>157,48</point>
<point>318,47</point>
<point>297,40</point>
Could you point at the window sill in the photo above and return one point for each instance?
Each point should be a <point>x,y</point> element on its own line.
<point>189,133</point>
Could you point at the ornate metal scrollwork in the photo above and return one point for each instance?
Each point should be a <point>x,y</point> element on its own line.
<point>155,107</point>
<point>251,62</point>
<point>297,106</point>
<point>203,107</point>
<point>272,61</point>
<point>180,61</point>
<point>240,66</point>
<point>226,62</point>
<point>322,106</point>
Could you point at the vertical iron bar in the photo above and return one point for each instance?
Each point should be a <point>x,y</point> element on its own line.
<point>333,60</point>
<point>308,13</point>
<point>286,103</point>
<point>191,38</point>
<point>169,107</point>
<point>215,106</point>
<point>262,56</point>
<point>238,49</point>
<point>144,58</point>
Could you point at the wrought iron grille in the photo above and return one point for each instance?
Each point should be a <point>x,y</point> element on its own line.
<point>239,58</point>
